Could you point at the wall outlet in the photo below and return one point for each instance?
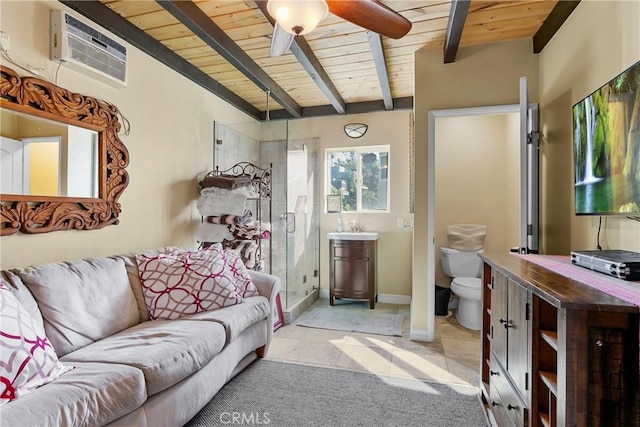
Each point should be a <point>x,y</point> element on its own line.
<point>400,222</point>
<point>4,41</point>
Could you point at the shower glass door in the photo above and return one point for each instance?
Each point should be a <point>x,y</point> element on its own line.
<point>295,228</point>
<point>302,228</point>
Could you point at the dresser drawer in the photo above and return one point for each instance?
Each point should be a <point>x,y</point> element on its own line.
<point>352,250</point>
<point>509,409</point>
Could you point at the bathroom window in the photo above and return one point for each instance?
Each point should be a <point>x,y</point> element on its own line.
<point>360,175</point>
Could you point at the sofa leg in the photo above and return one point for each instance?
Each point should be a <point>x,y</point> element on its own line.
<point>261,351</point>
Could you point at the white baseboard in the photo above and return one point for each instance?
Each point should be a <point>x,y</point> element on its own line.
<point>420,335</point>
<point>383,298</point>
<point>394,299</point>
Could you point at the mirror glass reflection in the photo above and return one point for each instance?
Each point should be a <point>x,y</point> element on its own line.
<point>42,157</point>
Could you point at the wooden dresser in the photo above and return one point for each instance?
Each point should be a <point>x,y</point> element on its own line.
<point>555,351</point>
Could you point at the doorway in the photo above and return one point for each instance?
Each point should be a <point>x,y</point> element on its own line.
<point>524,190</point>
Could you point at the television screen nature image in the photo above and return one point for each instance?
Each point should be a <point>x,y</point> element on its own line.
<point>606,148</point>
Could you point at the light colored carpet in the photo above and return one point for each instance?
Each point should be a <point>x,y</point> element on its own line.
<point>340,319</point>
<point>289,395</point>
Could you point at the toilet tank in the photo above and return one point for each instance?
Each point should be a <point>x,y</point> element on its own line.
<point>457,263</point>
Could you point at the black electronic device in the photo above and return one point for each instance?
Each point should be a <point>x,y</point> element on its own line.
<point>617,263</point>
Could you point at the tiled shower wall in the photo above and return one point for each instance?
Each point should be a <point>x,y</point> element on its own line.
<point>231,147</point>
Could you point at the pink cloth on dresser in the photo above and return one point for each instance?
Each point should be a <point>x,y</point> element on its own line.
<point>561,264</point>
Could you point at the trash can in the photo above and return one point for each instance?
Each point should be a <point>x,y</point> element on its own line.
<point>442,300</point>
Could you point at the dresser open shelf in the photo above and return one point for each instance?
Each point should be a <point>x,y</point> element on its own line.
<point>556,351</point>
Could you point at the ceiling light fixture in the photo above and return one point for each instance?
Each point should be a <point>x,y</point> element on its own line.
<point>298,17</point>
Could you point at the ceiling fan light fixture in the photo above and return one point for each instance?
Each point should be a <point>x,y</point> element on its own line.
<point>298,17</point>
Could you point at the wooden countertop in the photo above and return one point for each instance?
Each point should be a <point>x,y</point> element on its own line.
<point>558,290</point>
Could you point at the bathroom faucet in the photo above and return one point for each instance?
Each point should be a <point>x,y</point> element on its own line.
<point>354,227</point>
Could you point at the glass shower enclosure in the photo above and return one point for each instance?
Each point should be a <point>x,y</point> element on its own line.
<point>295,229</point>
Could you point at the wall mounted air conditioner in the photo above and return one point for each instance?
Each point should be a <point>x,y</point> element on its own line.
<point>87,50</point>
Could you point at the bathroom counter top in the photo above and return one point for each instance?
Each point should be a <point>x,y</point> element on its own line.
<point>360,235</point>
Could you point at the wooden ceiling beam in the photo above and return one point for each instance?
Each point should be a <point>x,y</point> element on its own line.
<point>405,103</point>
<point>375,41</point>
<point>201,25</point>
<point>457,16</point>
<point>305,56</point>
<point>552,24</point>
<point>113,22</point>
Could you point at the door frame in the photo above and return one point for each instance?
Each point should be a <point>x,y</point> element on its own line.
<point>20,171</point>
<point>43,140</point>
<point>431,236</point>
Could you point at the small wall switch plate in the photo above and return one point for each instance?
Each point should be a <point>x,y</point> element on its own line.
<point>4,41</point>
<point>400,222</point>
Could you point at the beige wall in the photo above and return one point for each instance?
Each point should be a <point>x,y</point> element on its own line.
<point>394,245</point>
<point>477,178</point>
<point>481,76</point>
<point>169,144</point>
<point>598,41</point>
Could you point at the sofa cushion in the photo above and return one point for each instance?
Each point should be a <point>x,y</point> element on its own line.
<point>166,351</point>
<point>27,359</point>
<point>179,283</point>
<point>92,394</point>
<point>237,318</point>
<point>82,301</point>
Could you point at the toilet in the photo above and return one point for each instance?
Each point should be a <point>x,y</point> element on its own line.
<point>465,267</point>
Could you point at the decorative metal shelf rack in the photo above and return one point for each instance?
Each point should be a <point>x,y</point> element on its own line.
<point>260,184</point>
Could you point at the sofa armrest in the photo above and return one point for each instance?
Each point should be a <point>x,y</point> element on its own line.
<point>269,287</point>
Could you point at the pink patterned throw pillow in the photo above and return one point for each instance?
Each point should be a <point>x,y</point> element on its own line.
<point>240,275</point>
<point>179,283</point>
<point>27,359</point>
<point>235,269</point>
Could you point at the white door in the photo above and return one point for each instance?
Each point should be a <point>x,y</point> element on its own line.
<point>12,179</point>
<point>529,184</point>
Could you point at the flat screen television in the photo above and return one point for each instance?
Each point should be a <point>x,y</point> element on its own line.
<point>606,148</point>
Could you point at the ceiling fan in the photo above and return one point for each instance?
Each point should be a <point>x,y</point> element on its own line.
<point>299,17</point>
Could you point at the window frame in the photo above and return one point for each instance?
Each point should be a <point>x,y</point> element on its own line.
<point>385,148</point>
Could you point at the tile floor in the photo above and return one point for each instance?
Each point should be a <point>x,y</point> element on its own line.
<point>454,356</point>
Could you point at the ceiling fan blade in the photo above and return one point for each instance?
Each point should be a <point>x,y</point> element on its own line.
<point>372,15</point>
<point>280,41</point>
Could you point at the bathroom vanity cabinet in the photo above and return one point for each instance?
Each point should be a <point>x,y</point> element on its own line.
<point>556,351</point>
<point>352,270</point>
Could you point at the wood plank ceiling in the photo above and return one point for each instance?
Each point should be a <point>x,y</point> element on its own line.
<point>349,74</point>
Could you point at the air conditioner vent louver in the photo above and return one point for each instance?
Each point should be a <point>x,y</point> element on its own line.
<point>96,58</point>
<point>87,50</point>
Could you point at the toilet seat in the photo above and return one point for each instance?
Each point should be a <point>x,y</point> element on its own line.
<point>468,282</point>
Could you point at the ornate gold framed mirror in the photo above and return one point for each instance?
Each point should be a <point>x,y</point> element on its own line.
<point>63,164</point>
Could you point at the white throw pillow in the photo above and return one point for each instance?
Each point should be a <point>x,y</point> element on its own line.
<point>27,359</point>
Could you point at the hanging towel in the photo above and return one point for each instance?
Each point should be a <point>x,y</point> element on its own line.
<point>215,201</point>
<point>213,232</point>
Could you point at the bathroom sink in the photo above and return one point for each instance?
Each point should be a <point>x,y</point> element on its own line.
<point>364,235</point>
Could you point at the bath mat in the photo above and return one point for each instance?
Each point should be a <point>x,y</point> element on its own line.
<point>345,319</point>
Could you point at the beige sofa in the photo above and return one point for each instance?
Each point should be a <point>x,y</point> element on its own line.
<point>129,370</point>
